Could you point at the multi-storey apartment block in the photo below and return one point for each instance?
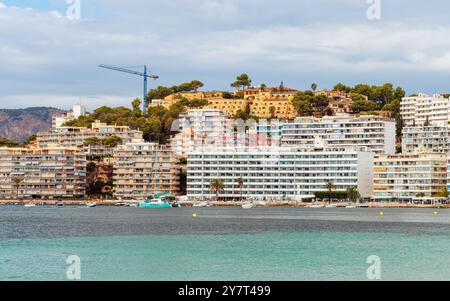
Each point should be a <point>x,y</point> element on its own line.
<point>76,136</point>
<point>373,132</point>
<point>200,128</point>
<point>142,170</point>
<point>433,139</point>
<point>410,177</point>
<point>425,110</point>
<point>49,173</point>
<point>278,173</point>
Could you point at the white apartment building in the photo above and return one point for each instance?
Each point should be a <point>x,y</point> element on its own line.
<point>200,128</point>
<point>422,109</point>
<point>373,132</point>
<point>143,169</point>
<point>76,137</point>
<point>433,139</point>
<point>278,173</point>
<point>48,173</point>
<point>410,177</point>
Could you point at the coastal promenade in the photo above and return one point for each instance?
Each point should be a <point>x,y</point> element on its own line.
<point>227,204</point>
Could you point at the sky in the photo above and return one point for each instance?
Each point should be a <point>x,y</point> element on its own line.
<point>49,57</point>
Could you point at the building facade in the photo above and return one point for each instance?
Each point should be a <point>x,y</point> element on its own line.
<point>200,128</point>
<point>278,173</point>
<point>410,177</point>
<point>433,139</point>
<point>425,110</point>
<point>373,132</point>
<point>143,169</point>
<point>76,137</point>
<point>48,173</point>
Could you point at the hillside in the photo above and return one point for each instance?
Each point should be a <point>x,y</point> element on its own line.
<point>18,124</point>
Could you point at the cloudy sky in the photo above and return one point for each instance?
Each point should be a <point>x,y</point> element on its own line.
<point>48,59</point>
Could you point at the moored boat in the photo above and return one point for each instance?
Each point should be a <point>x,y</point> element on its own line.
<point>29,205</point>
<point>91,205</point>
<point>155,204</point>
<point>248,206</point>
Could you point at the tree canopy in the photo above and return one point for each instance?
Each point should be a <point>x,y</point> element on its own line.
<point>307,104</point>
<point>242,81</point>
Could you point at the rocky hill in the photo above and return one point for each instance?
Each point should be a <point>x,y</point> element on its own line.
<point>18,124</point>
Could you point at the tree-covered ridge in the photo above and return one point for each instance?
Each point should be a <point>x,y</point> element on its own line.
<point>157,126</point>
<point>385,97</point>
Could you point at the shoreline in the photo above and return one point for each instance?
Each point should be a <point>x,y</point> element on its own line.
<point>318,205</point>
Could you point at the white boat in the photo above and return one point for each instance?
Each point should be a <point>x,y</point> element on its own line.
<point>91,205</point>
<point>248,206</point>
<point>29,205</point>
<point>351,207</point>
<point>331,206</point>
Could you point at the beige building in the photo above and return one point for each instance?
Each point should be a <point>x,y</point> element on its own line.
<point>48,173</point>
<point>76,137</point>
<point>143,169</point>
<point>410,177</point>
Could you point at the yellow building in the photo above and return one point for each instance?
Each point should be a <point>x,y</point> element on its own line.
<point>230,107</point>
<point>263,102</point>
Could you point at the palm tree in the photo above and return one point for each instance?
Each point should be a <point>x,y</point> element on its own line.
<point>330,187</point>
<point>217,186</point>
<point>17,182</point>
<point>353,194</point>
<point>240,182</point>
<point>314,87</point>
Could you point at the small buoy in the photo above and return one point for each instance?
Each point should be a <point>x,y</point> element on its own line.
<point>194,215</point>
<point>381,213</point>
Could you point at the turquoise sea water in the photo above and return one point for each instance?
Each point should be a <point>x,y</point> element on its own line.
<point>223,244</point>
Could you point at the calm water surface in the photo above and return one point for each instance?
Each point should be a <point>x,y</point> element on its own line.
<point>223,243</point>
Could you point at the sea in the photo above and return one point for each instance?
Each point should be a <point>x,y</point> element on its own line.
<point>201,244</point>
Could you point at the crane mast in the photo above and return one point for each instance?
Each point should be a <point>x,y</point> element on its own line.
<point>144,74</point>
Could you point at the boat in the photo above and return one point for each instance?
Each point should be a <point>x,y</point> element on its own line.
<point>59,204</point>
<point>248,206</point>
<point>155,204</point>
<point>121,204</point>
<point>91,205</point>
<point>351,207</point>
<point>331,206</point>
<point>176,205</point>
<point>29,205</point>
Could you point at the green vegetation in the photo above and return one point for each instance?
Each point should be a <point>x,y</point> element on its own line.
<point>162,92</point>
<point>334,195</point>
<point>307,104</point>
<point>217,186</point>
<point>242,81</point>
<point>8,143</point>
<point>109,142</point>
